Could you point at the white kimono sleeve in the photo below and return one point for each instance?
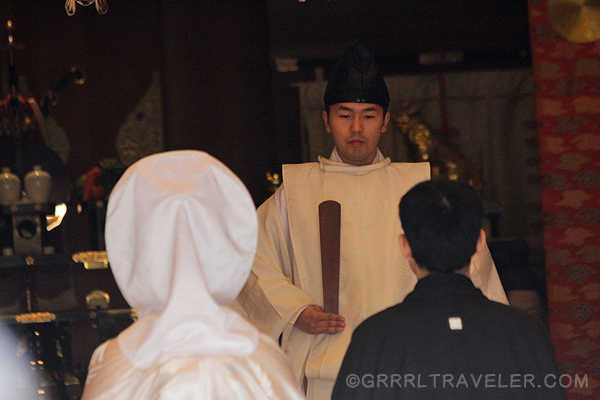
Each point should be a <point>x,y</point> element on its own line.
<point>269,299</point>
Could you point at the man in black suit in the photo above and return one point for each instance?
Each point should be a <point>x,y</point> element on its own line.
<point>446,340</point>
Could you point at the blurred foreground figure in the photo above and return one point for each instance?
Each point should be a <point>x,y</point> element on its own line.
<point>181,234</point>
<point>16,379</point>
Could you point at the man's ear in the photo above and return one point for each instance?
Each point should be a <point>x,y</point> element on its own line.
<point>407,253</point>
<point>326,120</point>
<point>404,247</point>
<point>480,242</point>
<point>386,120</point>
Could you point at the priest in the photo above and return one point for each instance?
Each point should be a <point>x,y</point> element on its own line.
<point>284,294</point>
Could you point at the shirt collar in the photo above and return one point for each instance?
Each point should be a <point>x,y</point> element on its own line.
<point>335,156</point>
<point>442,285</point>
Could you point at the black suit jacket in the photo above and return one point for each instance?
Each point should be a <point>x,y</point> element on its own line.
<point>446,340</point>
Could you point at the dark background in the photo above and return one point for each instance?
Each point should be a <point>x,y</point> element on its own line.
<point>222,92</point>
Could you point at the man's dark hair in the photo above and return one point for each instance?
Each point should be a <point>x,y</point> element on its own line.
<point>442,221</point>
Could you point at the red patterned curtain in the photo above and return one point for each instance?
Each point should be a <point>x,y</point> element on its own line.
<point>567,78</point>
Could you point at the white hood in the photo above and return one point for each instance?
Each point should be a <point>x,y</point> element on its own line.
<point>181,234</point>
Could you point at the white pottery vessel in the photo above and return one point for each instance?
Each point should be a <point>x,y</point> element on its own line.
<point>37,185</point>
<point>10,187</point>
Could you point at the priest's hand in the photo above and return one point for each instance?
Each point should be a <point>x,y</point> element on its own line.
<point>314,320</point>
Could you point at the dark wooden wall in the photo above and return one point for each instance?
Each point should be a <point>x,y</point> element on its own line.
<point>401,29</point>
<point>217,84</point>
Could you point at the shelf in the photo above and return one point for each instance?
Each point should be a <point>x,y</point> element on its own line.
<point>35,261</point>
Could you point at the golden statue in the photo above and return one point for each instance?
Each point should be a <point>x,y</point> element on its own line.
<point>445,159</point>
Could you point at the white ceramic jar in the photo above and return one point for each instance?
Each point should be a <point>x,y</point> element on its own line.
<point>10,187</point>
<point>37,185</point>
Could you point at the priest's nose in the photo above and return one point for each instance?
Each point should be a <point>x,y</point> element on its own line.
<point>356,124</point>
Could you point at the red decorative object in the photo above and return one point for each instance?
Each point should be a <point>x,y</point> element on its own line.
<point>92,189</point>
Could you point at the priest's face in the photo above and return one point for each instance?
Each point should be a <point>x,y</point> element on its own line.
<point>356,128</point>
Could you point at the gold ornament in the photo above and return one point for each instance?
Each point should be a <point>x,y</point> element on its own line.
<point>576,20</point>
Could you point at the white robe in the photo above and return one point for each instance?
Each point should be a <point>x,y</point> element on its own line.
<point>373,274</point>
<point>265,374</point>
<point>181,234</point>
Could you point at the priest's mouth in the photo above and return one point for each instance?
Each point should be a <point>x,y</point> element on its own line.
<point>356,142</point>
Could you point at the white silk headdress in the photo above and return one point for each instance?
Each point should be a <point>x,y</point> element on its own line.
<point>181,234</point>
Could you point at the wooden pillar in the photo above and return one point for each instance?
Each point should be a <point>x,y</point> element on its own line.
<point>216,83</point>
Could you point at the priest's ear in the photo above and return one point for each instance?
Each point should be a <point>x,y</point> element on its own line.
<point>326,120</point>
<point>386,120</point>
